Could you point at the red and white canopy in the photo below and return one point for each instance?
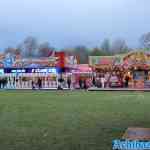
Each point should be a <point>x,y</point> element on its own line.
<point>82,69</point>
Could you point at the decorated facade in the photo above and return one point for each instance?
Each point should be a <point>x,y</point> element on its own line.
<point>22,72</point>
<point>135,64</point>
<point>59,59</point>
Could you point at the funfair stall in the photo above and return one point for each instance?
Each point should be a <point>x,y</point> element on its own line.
<point>109,68</point>
<point>31,72</point>
<point>80,74</point>
<point>138,64</point>
<point>132,69</point>
<point>24,78</point>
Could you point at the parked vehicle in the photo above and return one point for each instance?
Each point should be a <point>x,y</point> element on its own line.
<point>115,82</point>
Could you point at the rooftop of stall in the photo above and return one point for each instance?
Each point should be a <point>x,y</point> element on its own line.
<point>99,63</point>
<point>82,69</point>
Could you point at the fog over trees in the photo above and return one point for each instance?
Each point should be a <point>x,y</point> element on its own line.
<point>145,41</point>
<point>30,47</point>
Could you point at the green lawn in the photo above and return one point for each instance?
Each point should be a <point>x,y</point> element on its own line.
<point>69,120</point>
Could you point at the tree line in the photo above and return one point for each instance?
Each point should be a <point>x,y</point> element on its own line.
<point>31,48</point>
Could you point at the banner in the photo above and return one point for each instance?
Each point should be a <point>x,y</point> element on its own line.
<point>31,70</point>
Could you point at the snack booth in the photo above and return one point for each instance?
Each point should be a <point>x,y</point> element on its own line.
<point>22,72</point>
<point>82,72</point>
<point>138,66</point>
<point>135,65</point>
<point>23,77</point>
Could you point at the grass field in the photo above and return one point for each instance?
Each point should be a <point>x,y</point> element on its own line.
<point>69,120</point>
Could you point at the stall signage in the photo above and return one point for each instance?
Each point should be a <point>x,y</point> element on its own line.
<point>1,71</point>
<point>30,70</point>
<point>18,71</point>
<point>102,60</point>
<point>47,70</point>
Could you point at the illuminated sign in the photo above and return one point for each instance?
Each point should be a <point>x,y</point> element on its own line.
<point>1,71</point>
<point>30,70</point>
<point>47,70</point>
<point>18,71</point>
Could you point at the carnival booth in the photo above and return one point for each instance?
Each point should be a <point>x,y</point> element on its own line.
<point>132,69</point>
<point>138,65</point>
<point>28,72</point>
<point>82,73</point>
<point>19,78</point>
<point>109,68</point>
<point>70,65</point>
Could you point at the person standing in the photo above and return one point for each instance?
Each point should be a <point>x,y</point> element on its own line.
<point>103,81</point>
<point>3,82</point>
<point>39,83</point>
<point>80,83</point>
<point>94,81</point>
<point>127,78</point>
<point>33,85</point>
<point>0,83</point>
<point>60,83</point>
<point>84,84</point>
<point>69,82</point>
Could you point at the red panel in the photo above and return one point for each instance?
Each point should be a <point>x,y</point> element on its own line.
<point>61,59</point>
<point>105,61</point>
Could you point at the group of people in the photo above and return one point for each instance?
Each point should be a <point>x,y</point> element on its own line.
<point>37,84</point>
<point>100,80</point>
<point>106,79</point>
<point>82,84</point>
<point>26,83</point>
<point>61,82</point>
<point>3,82</point>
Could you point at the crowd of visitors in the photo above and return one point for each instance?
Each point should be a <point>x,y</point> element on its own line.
<point>37,84</point>
<point>99,80</point>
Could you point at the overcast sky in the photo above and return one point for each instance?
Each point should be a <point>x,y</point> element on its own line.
<point>66,23</point>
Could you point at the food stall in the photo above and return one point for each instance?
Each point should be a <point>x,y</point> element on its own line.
<point>82,72</point>
<point>134,65</point>
<point>109,67</point>
<point>138,66</point>
<point>23,77</point>
<point>21,72</point>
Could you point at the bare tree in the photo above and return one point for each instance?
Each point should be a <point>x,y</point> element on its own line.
<point>119,46</point>
<point>82,52</point>
<point>145,40</point>
<point>45,49</point>
<point>97,52</point>
<point>106,46</point>
<point>29,47</point>
<point>68,51</point>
